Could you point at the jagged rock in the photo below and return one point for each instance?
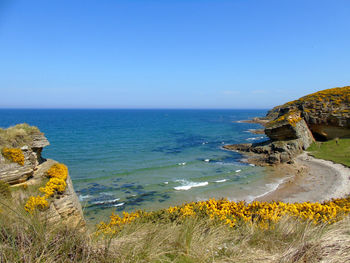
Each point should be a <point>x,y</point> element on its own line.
<point>292,127</point>
<point>326,113</point>
<point>65,208</point>
<point>39,141</point>
<point>14,173</point>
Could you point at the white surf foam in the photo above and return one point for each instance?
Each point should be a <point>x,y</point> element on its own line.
<point>187,185</point>
<point>120,204</point>
<point>207,160</point>
<point>255,138</point>
<point>221,181</point>
<point>106,201</point>
<point>184,163</point>
<point>239,170</point>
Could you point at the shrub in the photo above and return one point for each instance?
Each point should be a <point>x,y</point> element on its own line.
<point>52,186</point>
<point>36,202</point>
<point>17,136</point>
<point>232,213</point>
<point>57,184</point>
<point>58,170</point>
<point>14,155</point>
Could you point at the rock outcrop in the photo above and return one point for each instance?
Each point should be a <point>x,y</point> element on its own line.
<point>14,173</point>
<point>327,112</point>
<point>293,126</point>
<point>64,207</point>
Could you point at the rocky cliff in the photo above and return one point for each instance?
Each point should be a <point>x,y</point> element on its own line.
<point>326,113</point>
<point>293,126</point>
<point>24,169</point>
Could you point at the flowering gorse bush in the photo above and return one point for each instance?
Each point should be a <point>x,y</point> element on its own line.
<point>36,202</point>
<point>235,213</point>
<point>52,186</point>
<point>58,170</point>
<point>57,184</point>
<point>58,174</point>
<point>14,155</point>
<point>292,117</point>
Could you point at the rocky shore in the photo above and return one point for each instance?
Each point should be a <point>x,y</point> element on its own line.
<point>294,126</point>
<point>291,129</point>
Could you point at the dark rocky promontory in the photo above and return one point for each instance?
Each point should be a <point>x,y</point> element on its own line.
<point>293,126</point>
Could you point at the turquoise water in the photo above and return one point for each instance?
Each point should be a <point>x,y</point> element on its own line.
<point>148,159</point>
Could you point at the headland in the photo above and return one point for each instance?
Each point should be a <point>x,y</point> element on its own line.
<point>292,128</point>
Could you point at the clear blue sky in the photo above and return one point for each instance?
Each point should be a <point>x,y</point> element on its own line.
<point>170,54</point>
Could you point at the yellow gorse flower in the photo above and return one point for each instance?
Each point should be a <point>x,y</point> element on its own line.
<point>58,170</point>
<point>233,213</point>
<point>14,155</point>
<point>52,186</point>
<point>57,184</point>
<point>36,202</point>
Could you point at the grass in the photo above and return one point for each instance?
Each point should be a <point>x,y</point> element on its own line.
<point>17,136</point>
<point>337,151</point>
<point>26,238</point>
<point>5,191</point>
<point>198,240</point>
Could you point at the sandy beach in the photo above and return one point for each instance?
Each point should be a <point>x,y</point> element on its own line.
<point>313,180</point>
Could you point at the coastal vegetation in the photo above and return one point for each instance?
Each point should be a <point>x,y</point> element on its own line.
<point>57,184</point>
<point>292,117</point>
<point>17,136</point>
<point>337,150</point>
<point>235,214</point>
<point>28,237</point>
<point>13,154</point>
<point>334,97</point>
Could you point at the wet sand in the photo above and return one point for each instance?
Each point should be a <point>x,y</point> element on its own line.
<point>313,180</point>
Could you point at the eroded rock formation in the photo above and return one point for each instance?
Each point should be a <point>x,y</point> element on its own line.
<point>327,112</point>
<point>293,126</point>
<point>64,207</point>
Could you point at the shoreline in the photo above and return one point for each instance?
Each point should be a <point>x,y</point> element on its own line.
<point>313,180</point>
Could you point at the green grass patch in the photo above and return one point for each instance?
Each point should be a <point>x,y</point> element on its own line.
<point>337,151</point>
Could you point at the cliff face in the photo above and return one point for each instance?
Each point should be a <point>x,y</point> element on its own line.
<point>22,166</point>
<point>326,113</point>
<point>14,173</point>
<point>293,126</point>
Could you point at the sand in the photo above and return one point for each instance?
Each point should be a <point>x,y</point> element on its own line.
<point>313,180</point>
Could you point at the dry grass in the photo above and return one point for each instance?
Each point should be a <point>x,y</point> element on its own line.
<point>200,240</point>
<point>5,191</point>
<point>17,136</point>
<point>25,238</point>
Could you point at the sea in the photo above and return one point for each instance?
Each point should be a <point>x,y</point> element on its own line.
<point>126,160</point>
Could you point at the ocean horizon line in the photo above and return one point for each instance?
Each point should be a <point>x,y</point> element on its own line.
<point>175,109</point>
